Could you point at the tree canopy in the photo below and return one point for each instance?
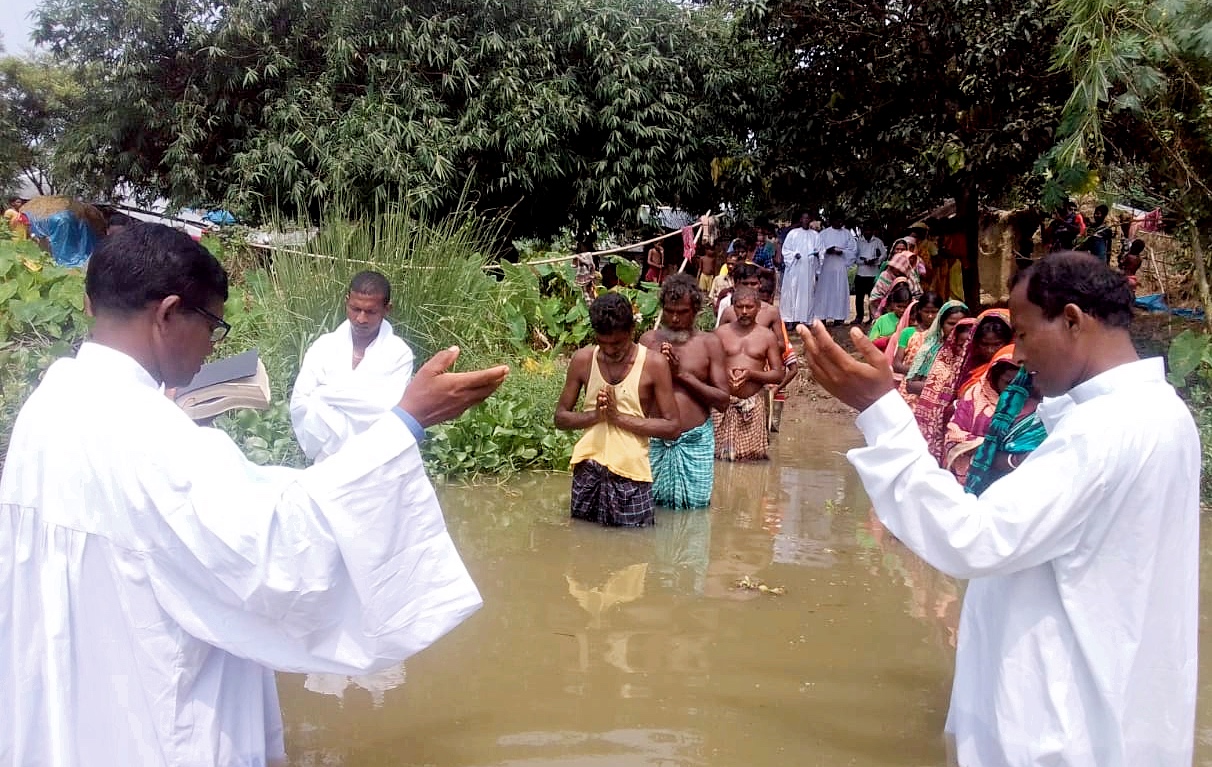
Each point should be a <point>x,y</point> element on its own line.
<point>37,100</point>
<point>893,106</point>
<point>561,112</point>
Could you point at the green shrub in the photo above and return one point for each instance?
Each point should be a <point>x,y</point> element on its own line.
<point>1190,363</point>
<point>441,297</point>
<point>513,431</point>
<point>42,319</point>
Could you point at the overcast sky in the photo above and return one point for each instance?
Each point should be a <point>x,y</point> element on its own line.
<point>15,25</point>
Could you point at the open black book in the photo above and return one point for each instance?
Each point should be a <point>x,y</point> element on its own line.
<point>226,384</point>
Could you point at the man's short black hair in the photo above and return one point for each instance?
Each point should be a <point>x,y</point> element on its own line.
<point>745,271</point>
<point>144,263</point>
<point>370,283</point>
<point>610,313</point>
<point>1070,277</point>
<point>744,291</point>
<point>677,287</point>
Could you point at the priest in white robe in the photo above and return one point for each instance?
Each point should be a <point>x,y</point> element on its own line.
<point>350,377</point>
<point>1078,634</point>
<point>802,263</point>
<point>152,579</point>
<point>838,251</point>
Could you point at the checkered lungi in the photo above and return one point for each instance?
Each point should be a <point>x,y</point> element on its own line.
<point>600,495</point>
<point>683,469</point>
<point>741,431</point>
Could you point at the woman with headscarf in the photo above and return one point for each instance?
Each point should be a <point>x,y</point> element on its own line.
<point>929,344</point>
<point>974,411</point>
<point>1014,432</point>
<point>920,315</point>
<point>960,355</point>
<point>903,263</point>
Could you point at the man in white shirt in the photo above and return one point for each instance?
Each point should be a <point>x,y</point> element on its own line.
<point>1077,640</point>
<point>352,376</point>
<point>800,257</point>
<point>151,578</point>
<point>870,254</point>
<point>837,246</point>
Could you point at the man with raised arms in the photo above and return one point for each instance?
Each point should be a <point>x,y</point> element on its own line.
<point>152,578</point>
<point>1080,625</point>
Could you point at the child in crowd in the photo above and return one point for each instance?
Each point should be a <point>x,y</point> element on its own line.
<point>884,330</point>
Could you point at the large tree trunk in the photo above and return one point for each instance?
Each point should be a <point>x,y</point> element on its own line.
<point>1201,275</point>
<point>967,206</point>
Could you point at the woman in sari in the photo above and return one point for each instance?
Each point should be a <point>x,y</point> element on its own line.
<point>920,315</point>
<point>956,361</point>
<point>974,412</point>
<point>929,344</point>
<point>1015,431</point>
<point>903,263</point>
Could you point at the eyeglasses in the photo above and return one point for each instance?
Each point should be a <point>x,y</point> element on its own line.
<point>220,328</point>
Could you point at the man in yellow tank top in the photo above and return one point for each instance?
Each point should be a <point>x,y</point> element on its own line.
<point>628,399</point>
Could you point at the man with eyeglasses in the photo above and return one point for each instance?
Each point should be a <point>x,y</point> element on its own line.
<point>152,578</point>
<point>352,376</point>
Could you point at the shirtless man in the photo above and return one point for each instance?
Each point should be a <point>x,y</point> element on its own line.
<point>683,469</point>
<point>754,358</point>
<point>628,399</point>
<point>708,266</point>
<point>768,317</point>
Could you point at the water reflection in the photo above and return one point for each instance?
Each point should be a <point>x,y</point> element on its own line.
<point>601,646</point>
<point>933,597</point>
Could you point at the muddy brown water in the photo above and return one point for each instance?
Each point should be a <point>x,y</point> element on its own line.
<point>600,647</point>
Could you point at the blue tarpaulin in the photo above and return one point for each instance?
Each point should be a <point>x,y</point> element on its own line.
<point>71,239</point>
<point>1156,302</point>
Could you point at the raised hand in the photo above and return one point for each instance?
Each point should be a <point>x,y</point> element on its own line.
<point>434,395</point>
<point>858,383</point>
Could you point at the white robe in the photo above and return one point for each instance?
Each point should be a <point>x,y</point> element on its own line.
<point>832,300</point>
<point>799,276</point>
<point>1078,635</point>
<point>332,400</point>
<point>151,576</point>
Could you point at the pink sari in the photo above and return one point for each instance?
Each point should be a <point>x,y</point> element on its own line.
<point>934,405</point>
<point>973,414</point>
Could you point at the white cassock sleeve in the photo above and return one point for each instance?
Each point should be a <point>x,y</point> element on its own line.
<point>344,567</point>
<point>1033,515</point>
<point>850,250</point>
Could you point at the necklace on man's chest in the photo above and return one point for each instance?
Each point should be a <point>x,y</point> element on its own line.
<point>622,368</point>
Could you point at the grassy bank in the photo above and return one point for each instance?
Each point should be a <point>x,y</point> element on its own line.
<point>442,296</point>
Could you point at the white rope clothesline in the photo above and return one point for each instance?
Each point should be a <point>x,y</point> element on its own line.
<point>698,227</point>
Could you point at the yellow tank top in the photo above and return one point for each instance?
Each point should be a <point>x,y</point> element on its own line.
<point>623,452</point>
